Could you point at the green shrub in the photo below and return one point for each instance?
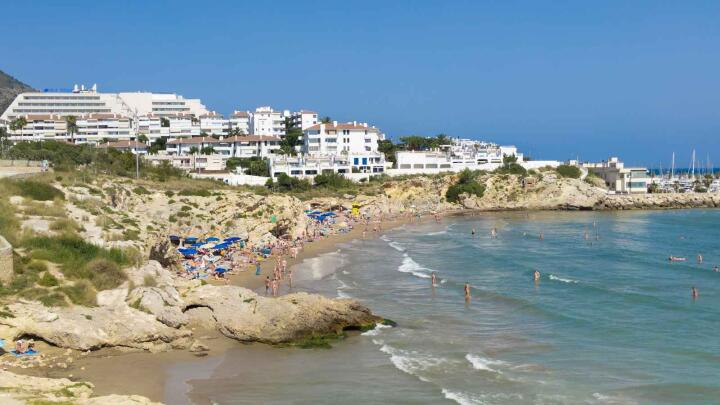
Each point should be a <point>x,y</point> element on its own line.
<point>511,168</point>
<point>81,293</point>
<point>36,267</point>
<point>131,234</point>
<point>48,280</point>
<point>105,274</point>
<point>572,172</point>
<point>195,192</point>
<point>37,190</point>
<point>45,297</point>
<point>466,184</point>
<point>140,190</point>
<point>333,180</point>
<point>65,225</point>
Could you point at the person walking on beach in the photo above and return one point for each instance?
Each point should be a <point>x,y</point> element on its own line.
<point>258,268</point>
<point>467,292</point>
<point>267,285</point>
<point>290,274</point>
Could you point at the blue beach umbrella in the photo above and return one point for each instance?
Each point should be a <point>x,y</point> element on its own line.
<point>212,239</point>
<point>222,246</point>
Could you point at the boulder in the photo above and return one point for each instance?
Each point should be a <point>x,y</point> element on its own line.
<point>82,328</point>
<point>152,269</point>
<point>162,302</point>
<point>248,317</point>
<point>200,317</point>
<point>112,298</point>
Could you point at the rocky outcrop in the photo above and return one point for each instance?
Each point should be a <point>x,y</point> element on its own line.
<point>83,328</point>
<point>23,389</point>
<point>248,317</point>
<point>660,201</point>
<point>162,302</point>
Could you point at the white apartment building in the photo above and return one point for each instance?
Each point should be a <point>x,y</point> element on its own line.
<point>191,163</point>
<point>133,147</point>
<point>306,167</point>
<point>235,146</point>
<point>90,128</point>
<point>151,127</point>
<point>214,124</point>
<point>620,179</point>
<point>304,119</point>
<point>93,128</point>
<point>240,121</point>
<point>162,104</point>
<point>266,121</point>
<point>182,126</point>
<point>340,139</point>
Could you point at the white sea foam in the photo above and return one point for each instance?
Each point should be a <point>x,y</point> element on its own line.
<point>341,294</point>
<point>460,398</point>
<point>397,246</point>
<point>564,280</point>
<point>437,233</point>
<point>345,272</point>
<point>385,238</point>
<point>411,362</point>
<point>411,266</point>
<point>378,328</point>
<point>482,363</point>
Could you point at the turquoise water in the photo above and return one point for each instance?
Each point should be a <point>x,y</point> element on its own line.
<point>610,320</point>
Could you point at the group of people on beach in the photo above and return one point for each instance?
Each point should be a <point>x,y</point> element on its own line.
<point>280,273</point>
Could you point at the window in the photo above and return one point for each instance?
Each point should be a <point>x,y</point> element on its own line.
<point>431,165</point>
<point>404,166</point>
<point>311,172</point>
<point>418,166</point>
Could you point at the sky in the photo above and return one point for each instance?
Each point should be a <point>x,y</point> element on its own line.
<point>558,79</point>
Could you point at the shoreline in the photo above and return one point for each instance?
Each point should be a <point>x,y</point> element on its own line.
<point>116,371</point>
<point>131,372</point>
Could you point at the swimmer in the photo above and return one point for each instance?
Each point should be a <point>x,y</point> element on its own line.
<point>699,258</point>
<point>715,268</point>
<point>433,279</point>
<point>467,292</point>
<point>536,276</point>
<point>542,236</point>
<point>493,233</point>
<point>472,232</point>
<point>694,292</point>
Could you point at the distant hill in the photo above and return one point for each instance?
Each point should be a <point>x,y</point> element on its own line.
<point>9,88</point>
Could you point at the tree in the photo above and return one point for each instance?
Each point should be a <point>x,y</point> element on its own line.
<point>388,148</point>
<point>3,139</point>
<point>18,123</point>
<point>72,127</point>
<point>194,150</point>
<point>142,138</point>
<point>292,138</point>
<point>419,142</point>
<point>572,172</point>
<point>466,184</point>
<point>158,145</point>
<point>208,150</point>
<point>254,166</point>
<point>326,120</point>
<point>164,122</point>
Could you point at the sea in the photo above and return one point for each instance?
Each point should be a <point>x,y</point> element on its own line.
<point>610,321</point>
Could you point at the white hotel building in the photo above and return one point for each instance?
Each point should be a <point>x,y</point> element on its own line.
<point>100,115</point>
<point>266,121</point>
<point>240,121</point>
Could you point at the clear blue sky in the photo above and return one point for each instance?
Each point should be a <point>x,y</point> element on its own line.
<point>639,79</point>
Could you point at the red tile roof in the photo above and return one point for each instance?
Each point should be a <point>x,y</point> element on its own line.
<point>123,144</point>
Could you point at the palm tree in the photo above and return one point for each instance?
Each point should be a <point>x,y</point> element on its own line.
<point>193,150</point>
<point>326,120</point>
<point>208,150</point>
<point>72,127</point>
<point>18,123</point>
<point>3,137</point>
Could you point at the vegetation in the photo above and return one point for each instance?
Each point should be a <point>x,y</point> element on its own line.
<point>416,142</point>
<point>466,184</point>
<point>334,181</point>
<point>34,190</point>
<point>254,166</point>
<point>572,172</point>
<point>511,166</point>
<point>195,192</point>
<point>287,183</point>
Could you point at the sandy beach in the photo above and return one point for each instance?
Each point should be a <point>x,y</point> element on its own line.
<point>115,371</point>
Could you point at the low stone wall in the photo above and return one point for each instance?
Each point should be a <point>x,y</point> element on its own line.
<point>20,163</point>
<point>6,261</point>
<point>660,201</point>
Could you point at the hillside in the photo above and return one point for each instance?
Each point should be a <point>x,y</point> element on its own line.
<point>9,88</point>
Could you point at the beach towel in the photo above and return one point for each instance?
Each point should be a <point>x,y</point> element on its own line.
<point>27,353</point>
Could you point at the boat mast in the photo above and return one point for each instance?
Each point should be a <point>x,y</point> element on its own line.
<point>672,167</point>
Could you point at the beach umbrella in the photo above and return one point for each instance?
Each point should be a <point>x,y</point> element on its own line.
<point>212,239</point>
<point>220,270</point>
<point>196,245</point>
<point>188,252</point>
<point>222,246</point>
<point>174,237</point>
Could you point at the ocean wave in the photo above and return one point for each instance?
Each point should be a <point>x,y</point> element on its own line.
<point>564,280</point>
<point>374,332</point>
<point>396,246</point>
<point>437,233</point>
<point>411,362</point>
<point>460,398</point>
<point>411,266</point>
<point>341,294</point>
<point>385,238</point>
<point>345,272</point>
<point>482,363</point>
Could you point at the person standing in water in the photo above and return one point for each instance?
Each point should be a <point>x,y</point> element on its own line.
<point>715,269</point>
<point>493,233</point>
<point>433,279</point>
<point>267,285</point>
<point>467,292</point>
<point>542,236</point>
<point>472,232</point>
<point>699,258</point>
<point>694,292</point>
<point>536,276</point>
